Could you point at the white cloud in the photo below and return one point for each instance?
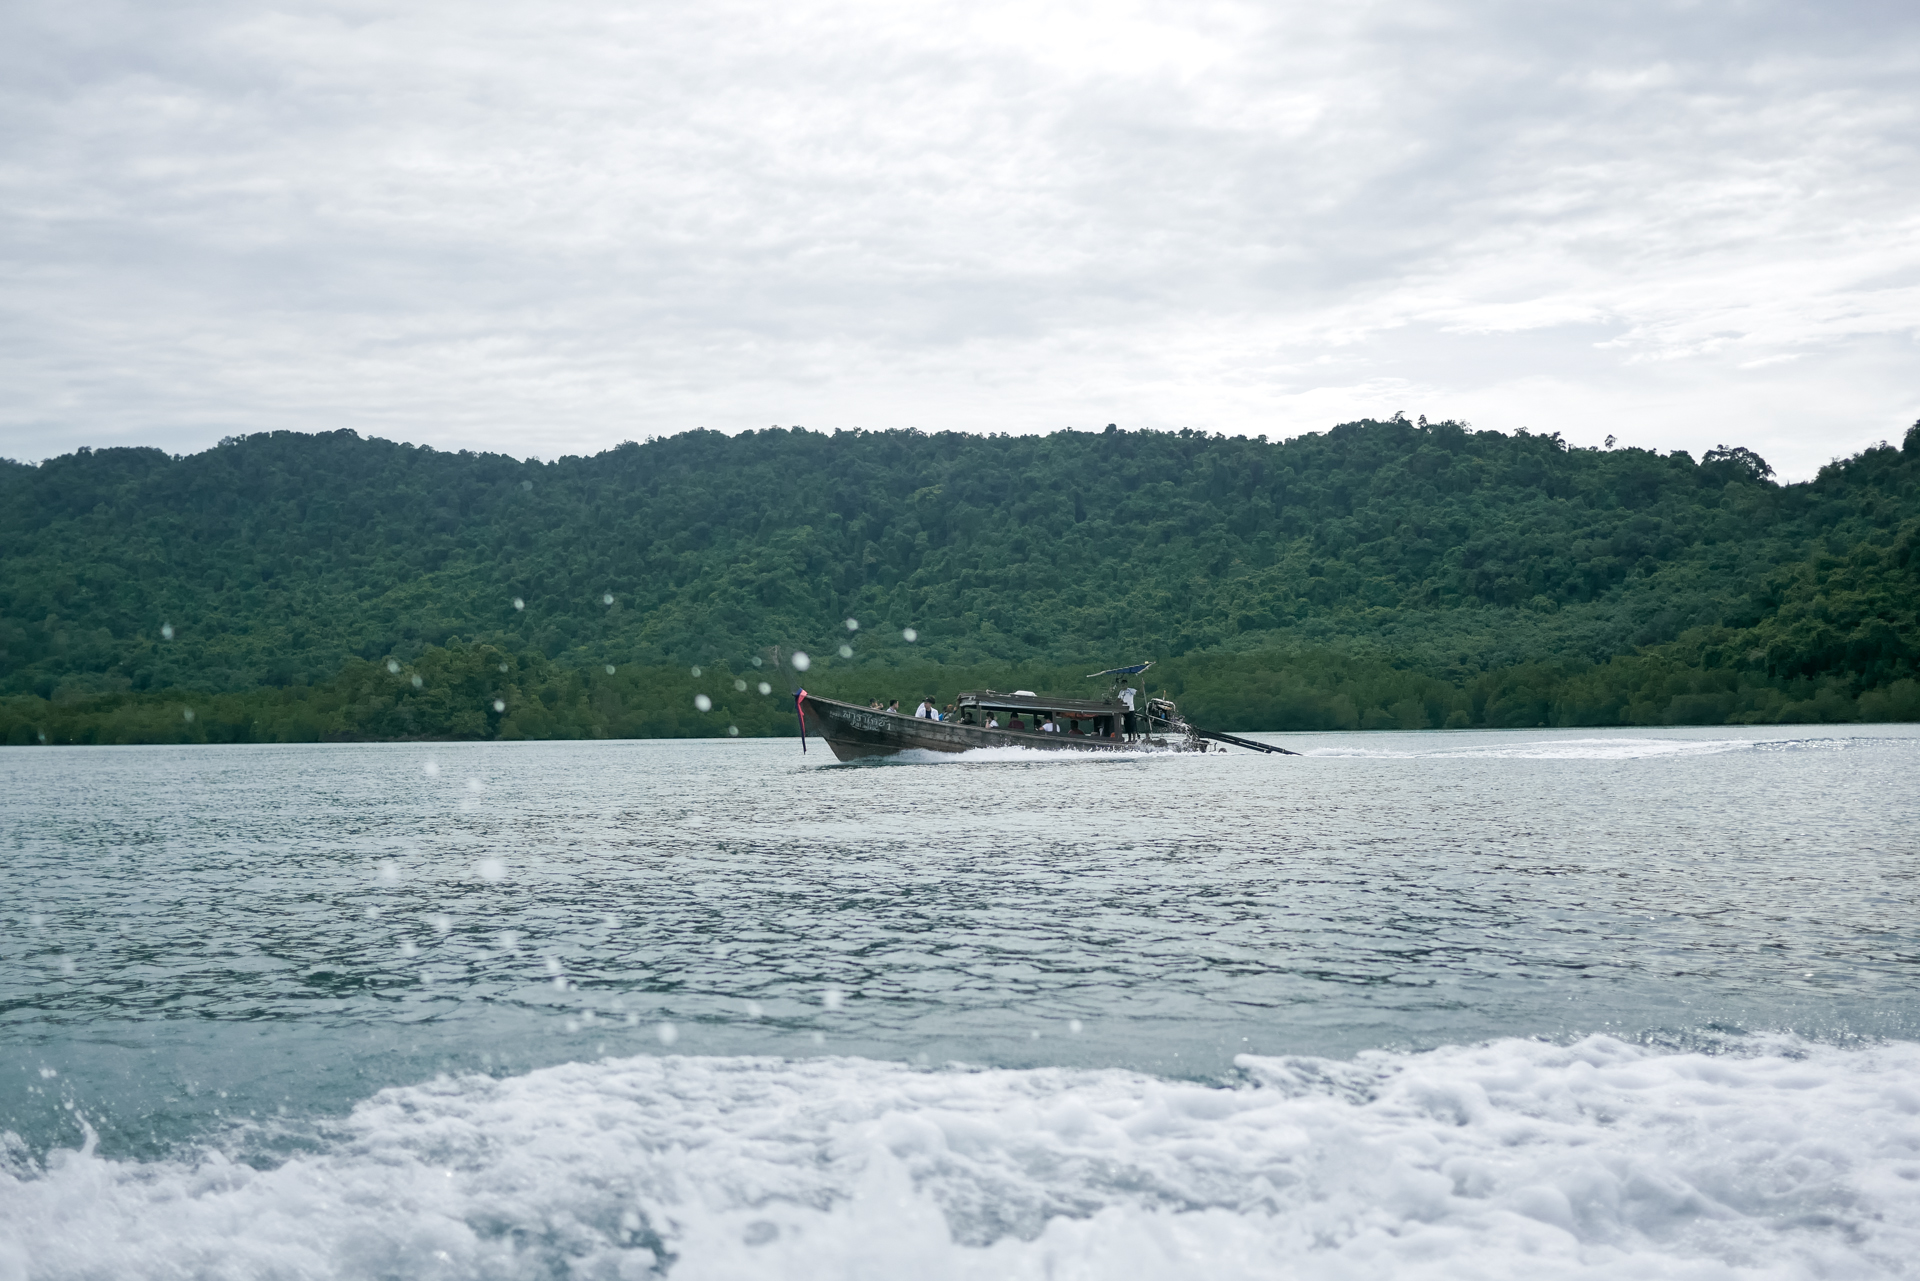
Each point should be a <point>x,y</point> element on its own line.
<point>547,228</point>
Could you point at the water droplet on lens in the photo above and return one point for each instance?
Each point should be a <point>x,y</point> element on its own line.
<point>431,769</point>
<point>832,998</point>
<point>702,702</point>
<point>510,940</point>
<point>753,1009</point>
<point>474,785</point>
<point>910,635</point>
<point>443,924</point>
<point>739,684</point>
<point>819,1038</point>
<point>609,669</point>
<point>1074,1026</point>
<point>733,731</point>
<point>667,1033</point>
<point>633,1020</point>
<point>853,624</point>
<point>166,631</point>
<point>765,688</point>
<point>393,667</point>
<point>66,966</point>
<point>407,948</point>
<point>800,660</point>
<point>389,873</point>
<point>499,704</point>
<point>846,651</point>
<point>553,965</point>
<point>188,715</point>
<point>503,667</point>
<point>696,671</point>
<point>418,682</point>
<point>606,598</point>
<point>518,603</point>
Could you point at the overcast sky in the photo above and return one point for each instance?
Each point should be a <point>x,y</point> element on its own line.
<point>546,228</point>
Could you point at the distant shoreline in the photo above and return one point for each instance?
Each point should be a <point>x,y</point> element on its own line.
<point>1381,575</point>
<point>1275,692</point>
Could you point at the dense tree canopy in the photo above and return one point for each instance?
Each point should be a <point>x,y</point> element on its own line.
<point>278,564</point>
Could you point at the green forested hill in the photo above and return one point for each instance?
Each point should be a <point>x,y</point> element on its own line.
<point>287,567</point>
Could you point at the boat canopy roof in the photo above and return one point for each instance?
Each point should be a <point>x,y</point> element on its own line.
<point>994,700</point>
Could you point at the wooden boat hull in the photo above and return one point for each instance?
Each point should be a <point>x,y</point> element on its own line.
<point>852,732</point>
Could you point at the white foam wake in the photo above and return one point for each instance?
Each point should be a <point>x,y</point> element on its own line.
<point>1573,749</point>
<point>1515,1159</point>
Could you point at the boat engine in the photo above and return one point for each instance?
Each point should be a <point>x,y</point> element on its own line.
<point>1162,712</point>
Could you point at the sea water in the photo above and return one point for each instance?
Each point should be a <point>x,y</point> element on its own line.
<point>1515,1004</point>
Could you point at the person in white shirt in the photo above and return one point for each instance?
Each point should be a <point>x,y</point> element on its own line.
<point>1126,700</point>
<point>993,722</point>
<point>1049,727</point>
<point>927,711</point>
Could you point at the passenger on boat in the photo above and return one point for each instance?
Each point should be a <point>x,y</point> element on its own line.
<point>926,711</point>
<point>1126,699</point>
<point>1074,732</point>
<point>1048,727</point>
<point>1014,722</point>
<point>894,707</point>
<point>993,722</point>
<point>876,706</point>
<point>948,714</point>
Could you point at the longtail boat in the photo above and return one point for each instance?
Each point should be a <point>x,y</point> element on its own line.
<point>990,718</point>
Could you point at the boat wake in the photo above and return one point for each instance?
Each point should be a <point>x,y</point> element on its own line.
<point>1573,749</point>
<point>1516,1158</point>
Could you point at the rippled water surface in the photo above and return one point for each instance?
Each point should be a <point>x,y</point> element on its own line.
<point>234,950</point>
